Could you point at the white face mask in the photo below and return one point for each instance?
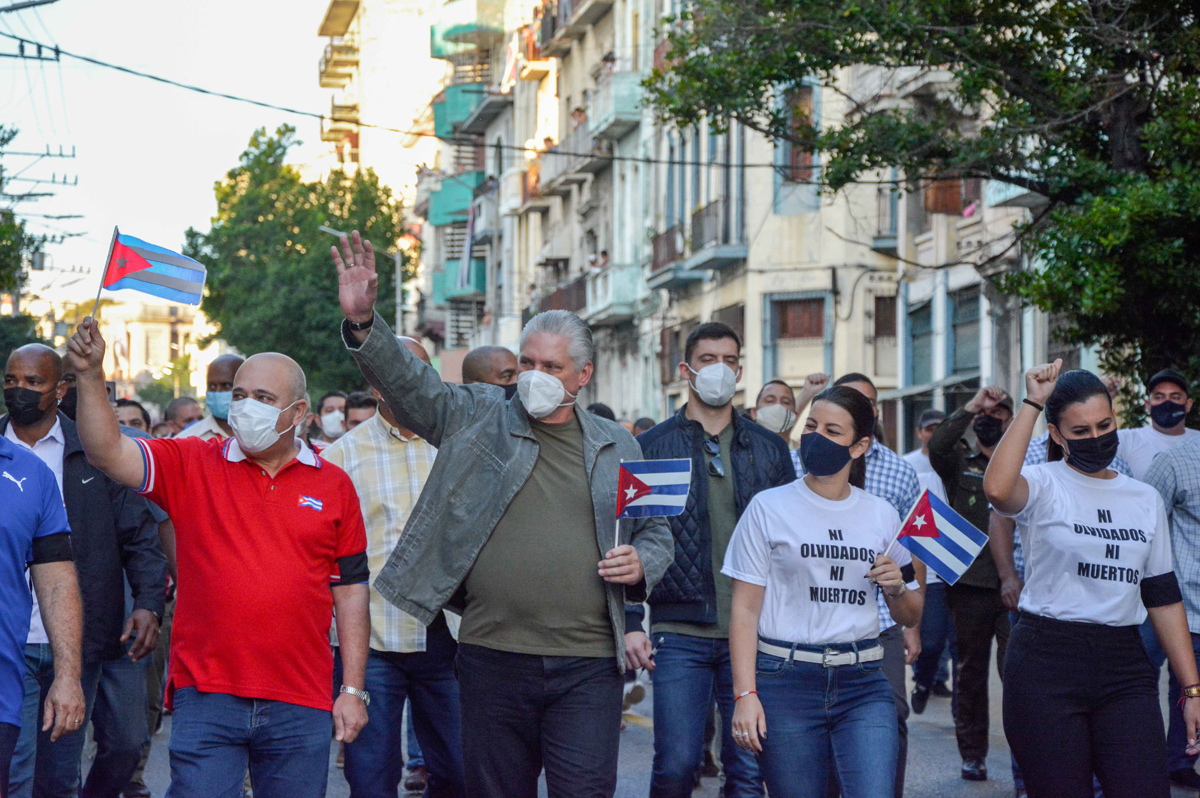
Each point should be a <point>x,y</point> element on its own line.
<point>776,418</point>
<point>541,393</point>
<point>715,384</point>
<point>331,424</point>
<point>254,423</point>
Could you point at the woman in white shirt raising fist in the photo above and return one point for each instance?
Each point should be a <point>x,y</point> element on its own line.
<point>1080,695</point>
<point>803,633</point>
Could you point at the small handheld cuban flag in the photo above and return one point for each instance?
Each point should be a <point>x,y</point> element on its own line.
<point>941,538</point>
<point>134,263</point>
<point>310,502</point>
<point>648,488</point>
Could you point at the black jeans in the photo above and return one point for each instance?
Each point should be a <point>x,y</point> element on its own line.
<point>521,712</point>
<point>979,615</point>
<point>1080,697</point>
<point>8,742</point>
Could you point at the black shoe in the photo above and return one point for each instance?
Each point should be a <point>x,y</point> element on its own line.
<point>708,768</point>
<point>974,770</point>
<point>941,690</point>
<point>920,697</point>
<point>1186,777</point>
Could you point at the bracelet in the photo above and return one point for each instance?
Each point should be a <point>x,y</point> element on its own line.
<point>740,696</point>
<point>1191,692</point>
<point>1033,404</point>
<point>355,326</point>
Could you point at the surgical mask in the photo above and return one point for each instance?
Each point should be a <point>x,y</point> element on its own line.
<point>69,403</point>
<point>988,430</point>
<point>1092,455</point>
<point>217,403</point>
<point>776,418</point>
<point>821,456</point>
<point>542,393</point>
<point>254,424</point>
<point>715,384</point>
<point>23,405</point>
<point>1168,414</point>
<point>331,424</point>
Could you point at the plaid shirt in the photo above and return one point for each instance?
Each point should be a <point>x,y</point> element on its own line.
<point>388,472</point>
<point>1036,454</point>
<point>890,477</point>
<point>1175,474</point>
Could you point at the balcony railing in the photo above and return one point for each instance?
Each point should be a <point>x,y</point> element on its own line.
<point>612,293</point>
<point>570,296</point>
<point>710,226</point>
<point>344,113</point>
<point>616,105</point>
<point>575,155</point>
<point>667,248</point>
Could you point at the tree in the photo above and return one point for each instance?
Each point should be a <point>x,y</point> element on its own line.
<point>16,331</point>
<point>17,245</point>
<point>1091,104</point>
<point>271,283</point>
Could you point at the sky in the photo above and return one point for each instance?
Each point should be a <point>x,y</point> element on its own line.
<point>148,154</point>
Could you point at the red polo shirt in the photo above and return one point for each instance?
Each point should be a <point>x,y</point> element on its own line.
<point>256,557</point>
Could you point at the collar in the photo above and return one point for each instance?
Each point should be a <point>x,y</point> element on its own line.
<point>384,428</point>
<point>233,453</point>
<point>55,435</point>
<point>875,447</point>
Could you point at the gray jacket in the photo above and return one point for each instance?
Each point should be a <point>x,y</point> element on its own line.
<point>486,452</point>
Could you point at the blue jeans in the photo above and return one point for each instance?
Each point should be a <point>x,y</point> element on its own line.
<point>214,736</point>
<point>416,759</point>
<point>1177,758</point>
<point>937,635</point>
<point>686,671</point>
<point>374,767</point>
<point>44,769</point>
<point>817,716</point>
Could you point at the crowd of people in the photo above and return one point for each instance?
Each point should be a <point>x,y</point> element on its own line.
<point>276,573</point>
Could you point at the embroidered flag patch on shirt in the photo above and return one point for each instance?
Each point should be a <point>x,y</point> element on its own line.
<point>309,501</point>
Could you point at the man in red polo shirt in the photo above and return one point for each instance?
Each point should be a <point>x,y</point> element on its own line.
<point>269,541</point>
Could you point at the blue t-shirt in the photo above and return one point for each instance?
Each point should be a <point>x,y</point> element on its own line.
<point>33,508</point>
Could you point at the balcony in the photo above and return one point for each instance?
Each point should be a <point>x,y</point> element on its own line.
<point>338,17</point>
<point>557,31</point>
<point>337,130</point>
<point>532,198</point>
<point>449,203</point>
<point>570,296</point>
<point>344,113</point>
<point>612,294</point>
<point>337,65</point>
<point>453,105</point>
<point>575,157</point>
<point>998,194</point>
<point>474,286</point>
<point>713,246</point>
<point>616,106</point>
<point>589,12</point>
<point>466,25</point>
<point>512,192</point>
<point>667,267</point>
<point>491,104</point>
<point>887,214</point>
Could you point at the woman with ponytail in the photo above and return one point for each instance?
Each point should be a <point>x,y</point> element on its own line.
<point>810,694</point>
<point>1080,694</point>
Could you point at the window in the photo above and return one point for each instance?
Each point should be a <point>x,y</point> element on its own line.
<point>735,317</point>
<point>964,322</point>
<point>885,317</point>
<point>799,164</point>
<point>801,318</point>
<point>920,337</point>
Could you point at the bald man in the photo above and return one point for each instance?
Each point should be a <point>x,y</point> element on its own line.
<point>269,540</point>
<point>494,365</point>
<point>115,539</point>
<point>389,466</point>
<point>215,425</point>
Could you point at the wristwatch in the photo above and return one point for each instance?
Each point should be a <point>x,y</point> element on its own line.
<point>903,590</point>
<point>354,691</point>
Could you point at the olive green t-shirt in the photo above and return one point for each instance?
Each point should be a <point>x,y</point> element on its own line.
<point>534,588</point>
<point>722,518</point>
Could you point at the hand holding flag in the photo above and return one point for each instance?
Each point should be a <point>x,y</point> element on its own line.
<point>645,489</point>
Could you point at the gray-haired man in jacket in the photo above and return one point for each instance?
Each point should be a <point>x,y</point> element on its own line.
<point>517,529</point>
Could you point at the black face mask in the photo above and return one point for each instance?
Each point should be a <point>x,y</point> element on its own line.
<point>821,456</point>
<point>509,390</point>
<point>988,430</point>
<point>68,403</point>
<point>22,404</point>
<point>1092,455</point>
<point>1168,414</point>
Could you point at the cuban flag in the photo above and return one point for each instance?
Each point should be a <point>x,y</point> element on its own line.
<point>653,488</point>
<point>941,538</point>
<point>133,263</point>
<point>310,502</point>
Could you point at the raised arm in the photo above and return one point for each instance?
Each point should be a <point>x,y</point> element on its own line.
<point>412,390</point>
<point>813,384</point>
<point>1006,489</point>
<point>106,448</point>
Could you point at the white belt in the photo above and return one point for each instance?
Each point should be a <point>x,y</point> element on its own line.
<point>829,657</point>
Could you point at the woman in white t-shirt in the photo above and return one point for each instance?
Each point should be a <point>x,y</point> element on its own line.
<point>1080,694</point>
<point>803,558</point>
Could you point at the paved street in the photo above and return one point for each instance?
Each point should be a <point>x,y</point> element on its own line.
<point>932,759</point>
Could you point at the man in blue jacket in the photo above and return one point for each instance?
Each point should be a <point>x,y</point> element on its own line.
<point>732,460</point>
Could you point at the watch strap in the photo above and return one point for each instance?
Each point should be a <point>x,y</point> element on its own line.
<point>354,691</point>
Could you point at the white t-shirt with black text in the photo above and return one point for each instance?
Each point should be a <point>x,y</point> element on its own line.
<point>1088,545</point>
<point>1140,445</point>
<point>813,555</point>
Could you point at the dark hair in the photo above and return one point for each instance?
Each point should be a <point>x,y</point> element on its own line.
<point>709,331</point>
<point>855,376</point>
<point>142,410</point>
<point>862,414</point>
<point>1072,388</point>
<point>175,407</point>
<point>602,410</point>
<point>770,383</point>
<point>359,400</point>
<point>330,395</point>
<point>642,424</point>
